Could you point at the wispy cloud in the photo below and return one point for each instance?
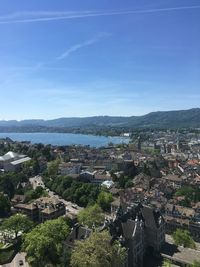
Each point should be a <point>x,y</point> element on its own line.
<point>42,16</point>
<point>38,14</point>
<point>76,47</point>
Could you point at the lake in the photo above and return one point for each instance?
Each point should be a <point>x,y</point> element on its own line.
<point>65,139</point>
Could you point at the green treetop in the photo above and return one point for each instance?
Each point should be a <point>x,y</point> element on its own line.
<point>196,264</point>
<point>43,244</point>
<point>91,215</point>
<point>166,263</point>
<point>4,205</point>
<point>17,224</point>
<point>104,200</point>
<point>97,251</point>
<point>183,238</point>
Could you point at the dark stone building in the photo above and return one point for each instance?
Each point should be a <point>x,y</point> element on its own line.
<point>138,228</point>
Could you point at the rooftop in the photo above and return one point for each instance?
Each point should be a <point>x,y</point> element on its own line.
<point>179,254</point>
<point>19,161</point>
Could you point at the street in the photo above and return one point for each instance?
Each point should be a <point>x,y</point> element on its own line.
<point>18,261</point>
<point>70,207</point>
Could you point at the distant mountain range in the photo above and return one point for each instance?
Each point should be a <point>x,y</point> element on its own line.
<point>160,119</point>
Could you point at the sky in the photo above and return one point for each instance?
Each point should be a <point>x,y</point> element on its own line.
<point>80,58</point>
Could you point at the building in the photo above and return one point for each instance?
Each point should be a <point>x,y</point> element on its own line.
<point>78,232</point>
<point>12,161</point>
<point>180,256</point>
<point>49,208</point>
<point>30,210</point>
<point>140,228</point>
<point>42,209</point>
<point>184,218</point>
<point>69,168</point>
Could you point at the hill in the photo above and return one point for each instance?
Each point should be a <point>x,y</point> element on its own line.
<point>160,119</point>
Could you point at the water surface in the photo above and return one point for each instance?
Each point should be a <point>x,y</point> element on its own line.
<point>65,139</point>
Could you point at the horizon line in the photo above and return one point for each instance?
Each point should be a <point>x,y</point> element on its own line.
<point>80,117</point>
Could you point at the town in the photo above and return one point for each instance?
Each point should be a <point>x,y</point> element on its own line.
<point>141,198</point>
<point>99,133</point>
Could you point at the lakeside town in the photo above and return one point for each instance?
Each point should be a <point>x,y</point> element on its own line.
<point>100,133</point>
<point>143,197</point>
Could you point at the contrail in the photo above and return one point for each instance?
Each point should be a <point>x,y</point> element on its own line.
<point>76,47</point>
<point>72,15</point>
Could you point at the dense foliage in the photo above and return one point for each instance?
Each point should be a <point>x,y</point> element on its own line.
<point>44,244</point>
<point>32,194</point>
<point>191,194</point>
<point>183,238</point>
<point>104,200</point>
<point>91,216</point>
<point>9,182</point>
<point>4,205</point>
<point>52,168</point>
<point>71,190</point>
<point>166,263</point>
<point>97,251</point>
<point>196,264</point>
<point>16,224</point>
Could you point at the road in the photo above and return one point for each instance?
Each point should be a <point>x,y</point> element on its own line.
<point>70,207</point>
<point>16,261</point>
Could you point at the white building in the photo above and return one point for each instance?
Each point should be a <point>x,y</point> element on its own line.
<point>11,161</point>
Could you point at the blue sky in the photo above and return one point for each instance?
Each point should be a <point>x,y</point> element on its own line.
<point>109,57</point>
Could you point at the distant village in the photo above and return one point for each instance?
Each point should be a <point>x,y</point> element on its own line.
<point>152,188</point>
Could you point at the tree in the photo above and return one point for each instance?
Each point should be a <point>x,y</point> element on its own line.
<point>196,264</point>
<point>125,181</point>
<point>52,169</point>
<point>183,238</point>
<point>97,251</point>
<point>7,185</point>
<point>146,170</point>
<point>92,215</point>
<point>191,194</point>
<point>104,200</point>
<point>34,194</point>
<point>71,190</point>
<point>17,224</point>
<point>43,244</point>
<point>166,263</point>
<point>4,205</point>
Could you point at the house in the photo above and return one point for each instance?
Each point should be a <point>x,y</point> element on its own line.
<point>86,176</point>
<point>42,209</point>
<point>100,178</point>
<point>30,210</point>
<point>69,168</point>
<point>143,181</point>
<point>174,180</point>
<point>181,217</point>
<point>18,199</point>
<point>49,208</point>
